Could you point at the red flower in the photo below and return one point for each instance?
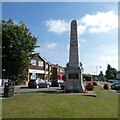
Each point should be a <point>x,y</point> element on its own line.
<point>94,83</point>
<point>106,86</point>
<point>89,86</point>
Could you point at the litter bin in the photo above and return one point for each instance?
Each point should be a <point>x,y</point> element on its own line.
<point>8,89</point>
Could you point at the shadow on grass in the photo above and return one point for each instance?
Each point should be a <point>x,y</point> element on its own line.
<point>26,88</point>
<point>64,93</point>
<point>104,89</point>
<point>50,92</point>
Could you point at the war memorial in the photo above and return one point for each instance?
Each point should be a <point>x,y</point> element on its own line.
<point>74,81</point>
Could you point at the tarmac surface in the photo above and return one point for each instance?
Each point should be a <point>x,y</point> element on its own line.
<point>23,89</point>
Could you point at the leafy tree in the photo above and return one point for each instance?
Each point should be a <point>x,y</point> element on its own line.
<point>101,77</point>
<point>110,72</point>
<point>18,46</point>
<point>118,72</point>
<point>87,77</point>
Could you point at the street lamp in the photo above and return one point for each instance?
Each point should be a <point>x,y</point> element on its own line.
<point>97,66</point>
<point>3,72</point>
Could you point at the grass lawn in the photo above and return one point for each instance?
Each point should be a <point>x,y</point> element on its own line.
<point>50,105</point>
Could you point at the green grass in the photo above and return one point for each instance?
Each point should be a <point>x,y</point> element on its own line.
<point>51,105</point>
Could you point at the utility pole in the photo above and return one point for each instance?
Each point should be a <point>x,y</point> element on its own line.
<point>97,69</point>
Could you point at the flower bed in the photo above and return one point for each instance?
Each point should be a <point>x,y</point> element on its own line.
<point>94,83</point>
<point>106,86</point>
<point>89,86</point>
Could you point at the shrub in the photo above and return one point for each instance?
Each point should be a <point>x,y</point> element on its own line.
<point>106,86</point>
<point>89,86</point>
<point>62,87</point>
<point>95,83</point>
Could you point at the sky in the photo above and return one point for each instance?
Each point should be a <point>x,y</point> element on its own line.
<point>97,24</point>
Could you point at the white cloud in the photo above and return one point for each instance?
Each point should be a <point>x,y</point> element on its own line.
<point>51,45</point>
<point>97,23</point>
<point>81,29</point>
<point>57,26</point>
<point>100,22</point>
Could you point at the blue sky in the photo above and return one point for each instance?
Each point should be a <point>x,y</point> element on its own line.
<point>97,30</point>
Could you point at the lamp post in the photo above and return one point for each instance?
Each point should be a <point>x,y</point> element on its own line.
<point>97,66</point>
<point>3,72</point>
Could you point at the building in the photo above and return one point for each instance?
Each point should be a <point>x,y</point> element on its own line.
<point>58,72</point>
<point>39,68</point>
<point>43,69</point>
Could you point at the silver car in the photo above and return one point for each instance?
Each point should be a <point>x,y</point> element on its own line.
<point>38,83</point>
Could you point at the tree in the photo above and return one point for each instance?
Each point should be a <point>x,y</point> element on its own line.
<point>110,72</point>
<point>18,46</point>
<point>101,77</point>
<point>87,77</point>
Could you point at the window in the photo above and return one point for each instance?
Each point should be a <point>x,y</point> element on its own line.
<point>46,66</point>
<point>40,63</point>
<point>33,62</point>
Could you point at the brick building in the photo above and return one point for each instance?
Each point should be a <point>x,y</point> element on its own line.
<point>39,68</point>
<point>43,69</point>
<point>58,72</point>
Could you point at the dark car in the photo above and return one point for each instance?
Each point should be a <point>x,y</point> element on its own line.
<point>111,80</point>
<point>38,83</point>
<point>57,83</point>
<point>62,85</point>
<point>115,85</point>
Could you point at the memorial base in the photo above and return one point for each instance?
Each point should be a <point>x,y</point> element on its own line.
<point>74,82</point>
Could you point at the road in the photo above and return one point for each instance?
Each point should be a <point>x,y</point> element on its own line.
<point>25,89</point>
<point>115,91</point>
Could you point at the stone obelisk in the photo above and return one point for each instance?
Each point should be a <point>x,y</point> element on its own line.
<point>74,81</point>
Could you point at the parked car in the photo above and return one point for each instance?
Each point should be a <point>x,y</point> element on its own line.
<point>38,83</point>
<point>57,83</point>
<point>48,83</point>
<point>115,85</point>
<point>111,80</point>
<point>62,85</point>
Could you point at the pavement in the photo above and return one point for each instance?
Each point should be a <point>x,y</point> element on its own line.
<point>16,87</point>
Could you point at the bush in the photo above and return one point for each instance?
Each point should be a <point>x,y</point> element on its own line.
<point>62,87</point>
<point>106,86</point>
<point>95,83</point>
<point>89,86</point>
